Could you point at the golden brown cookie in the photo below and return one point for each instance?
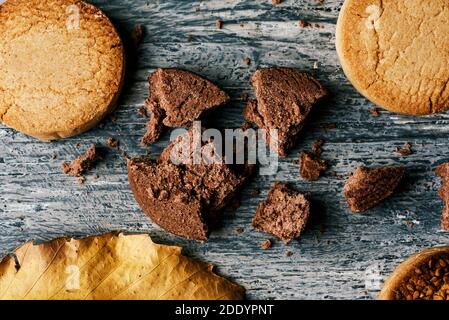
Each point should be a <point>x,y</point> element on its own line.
<point>396,52</point>
<point>62,67</point>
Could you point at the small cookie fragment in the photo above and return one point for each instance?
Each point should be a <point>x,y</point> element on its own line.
<point>266,244</point>
<point>284,99</point>
<point>83,163</point>
<point>303,24</point>
<point>246,61</point>
<point>406,150</point>
<point>367,187</point>
<point>113,143</point>
<point>443,172</point>
<point>311,166</point>
<point>317,147</point>
<point>374,112</point>
<point>276,1</point>
<point>288,254</point>
<point>284,214</point>
<point>218,24</point>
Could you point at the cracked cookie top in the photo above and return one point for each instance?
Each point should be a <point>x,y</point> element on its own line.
<point>62,67</point>
<point>396,52</point>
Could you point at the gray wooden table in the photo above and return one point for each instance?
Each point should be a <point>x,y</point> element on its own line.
<point>340,252</point>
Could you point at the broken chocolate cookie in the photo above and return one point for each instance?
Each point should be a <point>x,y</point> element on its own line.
<point>284,99</point>
<point>367,187</point>
<point>284,214</point>
<point>443,172</point>
<point>180,195</point>
<point>179,97</point>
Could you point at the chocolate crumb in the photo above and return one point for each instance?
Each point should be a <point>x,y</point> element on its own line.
<point>266,245</point>
<point>288,254</point>
<point>244,97</point>
<point>83,163</point>
<point>77,145</point>
<point>276,1</point>
<point>113,143</point>
<point>136,35</point>
<point>219,24</point>
<point>240,230</point>
<point>406,150</point>
<point>311,166</point>
<point>143,112</point>
<point>374,112</point>
<point>247,61</point>
<point>317,147</point>
<point>303,24</point>
<point>53,156</point>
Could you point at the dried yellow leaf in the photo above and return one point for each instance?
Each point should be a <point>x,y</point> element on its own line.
<point>110,266</point>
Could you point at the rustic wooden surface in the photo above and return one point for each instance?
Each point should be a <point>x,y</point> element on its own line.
<point>338,250</point>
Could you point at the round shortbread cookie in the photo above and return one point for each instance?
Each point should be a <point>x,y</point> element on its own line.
<point>396,52</point>
<point>61,67</point>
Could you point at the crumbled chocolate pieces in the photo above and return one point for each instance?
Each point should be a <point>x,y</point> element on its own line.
<point>311,166</point>
<point>155,127</point>
<point>177,98</point>
<point>266,245</point>
<point>303,24</point>
<point>83,163</point>
<point>288,254</point>
<point>374,112</point>
<point>240,230</point>
<point>143,112</point>
<point>246,61</point>
<point>284,99</point>
<point>284,214</point>
<point>443,172</point>
<point>406,150</point>
<point>218,24</point>
<point>112,143</point>
<point>367,187</point>
<point>317,147</point>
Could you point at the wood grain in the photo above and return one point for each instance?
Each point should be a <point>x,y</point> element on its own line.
<point>338,250</point>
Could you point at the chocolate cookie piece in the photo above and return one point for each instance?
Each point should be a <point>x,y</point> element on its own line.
<point>367,187</point>
<point>443,172</point>
<point>284,99</point>
<point>155,127</point>
<point>284,214</point>
<point>181,195</point>
<point>84,162</point>
<point>179,97</point>
<point>311,166</point>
